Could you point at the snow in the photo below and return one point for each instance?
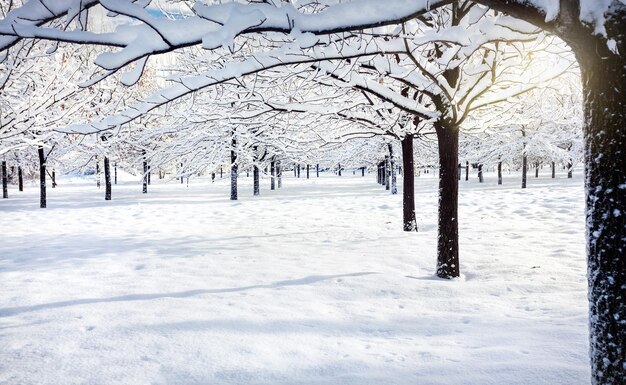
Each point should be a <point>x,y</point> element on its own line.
<point>311,284</point>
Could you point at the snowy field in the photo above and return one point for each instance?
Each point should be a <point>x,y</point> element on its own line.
<point>312,284</point>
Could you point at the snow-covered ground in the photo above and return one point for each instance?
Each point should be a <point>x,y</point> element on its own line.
<point>312,284</point>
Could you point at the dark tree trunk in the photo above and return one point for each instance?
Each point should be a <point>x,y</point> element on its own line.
<point>570,166</point>
<point>150,175</point>
<point>233,170</point>
<point>537,170</point>
<point>604,89</point>
<point>54,179</point>
<point>339,169</point>
<point>480,174</point>
<point>279,173</point>
<point>221,172</point>
<point>387,173</point>
<point>317,170</point>
<point>115,172</point>
<point>20,179</point>
<point>5,180</point>
<point>408,183</point>
<point>392,167</point>
<point>448,237</point>
<point>145,173</point>
<point>553,170</point>
<point>255,180</point>
<point>107,179</point>
<point>460,170</point>
<point>97,174</point>
<point>212,177</point>
<point>499,172</point>
<point>298,171</point>
<point>307,171</point>
<point>362,171</point>
<point>42,178</point>
<point>273,175</point>
<point>295,170</point>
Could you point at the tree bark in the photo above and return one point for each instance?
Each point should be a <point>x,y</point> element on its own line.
<point>298,171</point>
<point>387,174</point>
<point>537,170</point>
<point>255,180</point>
<point>273,175</point>
<point>317,170</point>
<point>392,166</point>
<point>279,174</point>
<point>97,174</point>
<point>499,172</point>
<point>5,180</point>
<point>107,179</point>
<point>339,169</point>
<point>307,171</point>
<point>553,170</point>
<point>570,166</point>
<point>408,185</point>
<point>448,237</point>
<point>233,170</point>
<point>524,162</point>
<point>54,179</point>
<point>20,179</point>
<point>115,172</point>
<point>42,178</point>
<point>362,171</point>
<point>145,173</point>
<point>604,89</point>
<point>481,179</point>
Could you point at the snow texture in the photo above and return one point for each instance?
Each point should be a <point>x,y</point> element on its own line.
<point>311,284</point>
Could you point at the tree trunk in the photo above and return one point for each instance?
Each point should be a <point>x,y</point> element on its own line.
<point>499,172</point>
<point>273,175</point>
<point>448,237</point>
<point>115,172</point>
<point>54,179</point>
<point>42,178</point>
<point>604,90</point>
<point>279,173</point>
<point>5,180</point>
<point>107,179</point>
<point>97,174</point>
<point>298,171</point>
<point>387,174</point>
<point>460,169</point>
<point>295,170</point>
<point>255,180</point>
<point>145,173</point>
<point>150,175</point>
<point>362,171</point>
<point>537,170</point>
<point>408,184</point>
<point>20,179</point>
<point>317,170</point>
<point>524,162</point>
<point>392,166</point>
<point>307,171</point>
<point>221,172</point>
<point>339,169</point>
<point>553,170</point>
<point>233,170</point>
<point>480,174</point>
<point>570,166</point>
